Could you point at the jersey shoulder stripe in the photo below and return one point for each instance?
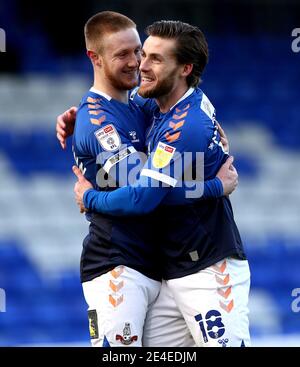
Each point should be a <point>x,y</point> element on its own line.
<point>96,109</point>
<point>179,121</point>
<point>181,116</point>
<point>98,121</point>
<point>172,137</point>
<point>177,125</point>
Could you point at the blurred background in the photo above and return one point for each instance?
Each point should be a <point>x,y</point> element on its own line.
<point>252,79</point>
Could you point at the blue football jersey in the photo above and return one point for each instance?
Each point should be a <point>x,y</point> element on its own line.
<point>180,137</point>
<point>107,133</point>
<point>178,156</point>
<point>202,232</point>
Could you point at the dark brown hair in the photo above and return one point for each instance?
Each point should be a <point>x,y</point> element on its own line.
<point>102,23</point>
<point>191,45</point>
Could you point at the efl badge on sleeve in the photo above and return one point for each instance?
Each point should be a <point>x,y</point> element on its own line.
<point>108,138</point>
<point>163,155</point>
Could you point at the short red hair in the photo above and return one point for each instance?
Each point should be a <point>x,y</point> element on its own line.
<point>103,23</point>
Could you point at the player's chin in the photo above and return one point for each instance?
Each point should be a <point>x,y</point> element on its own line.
<point>130,83</point>
<point>132,76</point>
<point>146,92</point>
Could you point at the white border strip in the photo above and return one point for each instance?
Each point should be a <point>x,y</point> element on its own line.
<point>107,166</point>
<point>159,176</point>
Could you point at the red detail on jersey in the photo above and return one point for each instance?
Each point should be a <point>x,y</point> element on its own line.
<point>108,129</point>
<point>126,342</point>
<point>169,149</point>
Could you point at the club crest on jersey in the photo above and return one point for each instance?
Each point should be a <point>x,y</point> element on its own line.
<point>108,138</point>
<point>162,155</point>
<point>126,338</point>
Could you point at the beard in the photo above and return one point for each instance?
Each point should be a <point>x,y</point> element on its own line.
<point>162,87</point>
<point>120,82</point>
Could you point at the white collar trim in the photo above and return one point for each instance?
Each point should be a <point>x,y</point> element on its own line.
<point>186,94</point>
<point>94,90</point>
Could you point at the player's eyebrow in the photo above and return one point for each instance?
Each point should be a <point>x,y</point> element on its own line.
<point>126,50</point>
<point>122,50</point>
<point>153,55</point>
<point>156,55</point>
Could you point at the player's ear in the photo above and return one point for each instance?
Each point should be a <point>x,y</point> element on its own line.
<point>94,57</point>
<point>187,69</point>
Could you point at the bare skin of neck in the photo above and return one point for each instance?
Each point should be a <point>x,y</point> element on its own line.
<point>104,85</point>
<point>167,101</point>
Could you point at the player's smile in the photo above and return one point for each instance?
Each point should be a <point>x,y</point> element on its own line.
<point>132,73</point>
<point>130,77</point>
<point>121,58</point>
<point>146,81</point>
<point>159,69</point>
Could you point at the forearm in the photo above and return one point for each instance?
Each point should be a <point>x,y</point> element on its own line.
<point>131,200</point>
<point>127,200</point>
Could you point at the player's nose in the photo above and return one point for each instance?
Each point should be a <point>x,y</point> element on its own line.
<point>144,66</point>
<point>134,62</point>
